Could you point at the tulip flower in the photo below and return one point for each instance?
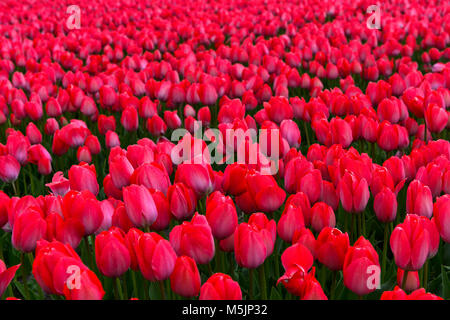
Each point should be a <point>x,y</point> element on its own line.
<point>156,257</point>
<point>140,206</point>
<point>220,287</point>
<point>441,213</point>
<point>353,192</point>
<point>410,243</point>
<point>111,253</point>
<point>331,247</point>
<point>185,278</point>
<point>361,268</point>
<point>221,215</point>
<point>419,199</point>
<point>83,177</point>
<point>194,239</point>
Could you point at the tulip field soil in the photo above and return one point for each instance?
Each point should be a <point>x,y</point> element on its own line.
<point>224,150</point>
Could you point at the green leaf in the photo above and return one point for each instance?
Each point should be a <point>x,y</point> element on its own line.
<point>445,283</point>
<point>275,295</point>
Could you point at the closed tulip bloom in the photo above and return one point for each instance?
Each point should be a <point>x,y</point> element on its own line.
<point>152,176</point>
<point>220,287</point>
<point>249,246</point>
<point>194,239</point>
<point>185,278</point>
<point>264,190</point>
<point>412,280</point>
<point>322,215</point>
<point>410,243</point>
<point>182,201</point>
<point>361,268</point>
<point>111,253</point>
<point>84,155</point>
<point>436,118</point>
<point>120,170</point>
<point>290,222</point>
<point>50,266</point>
<point>431,176</point>
<point>83,177</point>
<point>291,132</point>
<point>140,206</point>
<point>353,193</point>
<point>278,109</point>
<point>9,168</point>
<point>331,247</point>
<point>419,199</point>
<point>112,140</point>
<point>420,294</point>
<point>4,208</point>
<point>33,133</point>
<point>441,213</point>
<point>221,215</point>
<point>84,207</point>
<point>130,119</point>
<point>106,124</point>
<point>234,179</point>
<point>90,288</point>
<point>385,205</point>
<point>156,126</point>
<point>156,257</point>
<point>93,144</point>
<point>199,177</point>
<point>29,227</point>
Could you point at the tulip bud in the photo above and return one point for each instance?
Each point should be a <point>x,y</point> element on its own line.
<point>185,278</point>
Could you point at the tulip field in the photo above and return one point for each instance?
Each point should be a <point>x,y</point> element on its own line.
<point>224,150</point>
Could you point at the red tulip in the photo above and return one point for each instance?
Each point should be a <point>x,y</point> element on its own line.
<point>331,247</point>
<point>412,280</point>
<point>85,208</point>
<point>353,192</point>
<point>436,118</point>
<point>220,287</point>
<point>185,278</point>
<point>155,256</point>
<point>182,201</point>
<point>419,199</point>
<point>29,227</point>
<point>264,190</point>
<point>410,243</point>
<point>290,222</point>
<point>322,215</point>
<point>120,170</point>
<point>221,215</point>
<point>361,268</point>
<point>441,213</point>
<point>140,206</point>
<point>385,205</point>
<point>90,288</point>
<point>9,168</point>
<point>111,253</point>
<point>194,239</point>
<point>6,275</point>
<point>83,177</point>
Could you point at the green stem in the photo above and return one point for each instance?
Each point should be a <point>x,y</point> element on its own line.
<point>383,261</point>
<point>135,288</point>
<point>251,276</point>
<point>125,287</point>
<point>262,282</point>
<point>425,275</point>
<point>333,285</point>
<point>24,276</point>
<point>161,289</point>
<point>119,288</point>
<point>146,295</point>
<point>88,253</point>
